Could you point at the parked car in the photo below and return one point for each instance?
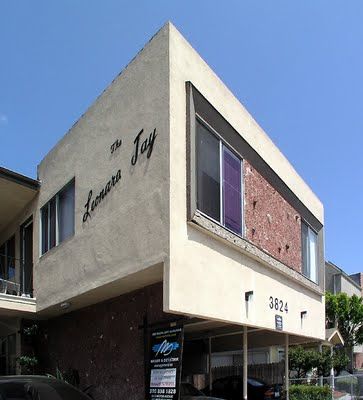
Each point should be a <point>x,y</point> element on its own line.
<point>189,392</point>
<point>23,387</point>
<point>231,388</point>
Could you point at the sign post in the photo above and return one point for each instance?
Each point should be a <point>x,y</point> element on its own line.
<point>166,349</point>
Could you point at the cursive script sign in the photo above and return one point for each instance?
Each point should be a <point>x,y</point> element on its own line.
<point>93,203</point>
<point>146,146</point>
<point>140,147</point>
<point>115,145</point>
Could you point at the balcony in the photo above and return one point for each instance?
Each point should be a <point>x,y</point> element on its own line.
<point>16,278</point>
<point>17,204</point>
<point>16,286</point>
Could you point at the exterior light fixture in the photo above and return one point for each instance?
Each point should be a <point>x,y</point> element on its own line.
<point>249,295</point>
<point>303,314</point>
<point>65,305</point>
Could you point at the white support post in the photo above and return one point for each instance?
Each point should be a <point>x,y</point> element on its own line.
<point>287,365</point>
<point>332,383</point>
<point>245,362</point>
<point>321,379</point>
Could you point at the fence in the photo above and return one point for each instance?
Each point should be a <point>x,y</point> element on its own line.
<point>16,278</point>
<point>344,387</point>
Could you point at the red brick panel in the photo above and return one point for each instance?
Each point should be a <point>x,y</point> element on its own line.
<point>271,223</point>
<point>358,360</point>
<point>103,343</point>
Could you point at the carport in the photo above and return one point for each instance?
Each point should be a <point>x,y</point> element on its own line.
<point>203,338</point>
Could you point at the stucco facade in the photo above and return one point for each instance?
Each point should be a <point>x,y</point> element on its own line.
<point>131,157</point>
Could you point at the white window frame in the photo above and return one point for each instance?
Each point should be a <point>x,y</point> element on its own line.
<point>310,231</point>
<point>47,204</point>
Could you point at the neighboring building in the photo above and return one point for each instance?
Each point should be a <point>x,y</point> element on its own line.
<point>337,281</point>
<point>165,204</point>
<point>358,279</point>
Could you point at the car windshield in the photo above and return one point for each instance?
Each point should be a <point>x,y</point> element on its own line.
<point>39,390</point>
<point>186,389</point>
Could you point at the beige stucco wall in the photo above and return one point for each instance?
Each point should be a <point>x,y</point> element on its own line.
<point>207,277</point>
<point>336,281</point>
<point>128,231</point>
<point>346,286</point>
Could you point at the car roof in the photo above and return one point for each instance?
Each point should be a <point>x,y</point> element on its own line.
<point>38,378</point>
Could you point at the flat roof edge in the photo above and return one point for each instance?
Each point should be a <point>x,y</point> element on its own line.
<point>19,178</point>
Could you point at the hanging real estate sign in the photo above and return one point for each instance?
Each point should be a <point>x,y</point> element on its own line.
<point>166,349</point>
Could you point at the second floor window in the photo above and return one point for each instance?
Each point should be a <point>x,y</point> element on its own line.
<point>219,180</point>
<point>309,252</point>
<point>57,218</point>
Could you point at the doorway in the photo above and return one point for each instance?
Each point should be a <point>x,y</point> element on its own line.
<point>26,246</point>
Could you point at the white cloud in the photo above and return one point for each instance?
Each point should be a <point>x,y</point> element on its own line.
<point>3,119</point>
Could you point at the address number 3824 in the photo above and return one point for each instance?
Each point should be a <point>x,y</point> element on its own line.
<point>278,304</point>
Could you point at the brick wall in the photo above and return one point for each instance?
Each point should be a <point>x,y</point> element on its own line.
<point>358,360</point>
<point>103,343</point>
<point>271,223</point>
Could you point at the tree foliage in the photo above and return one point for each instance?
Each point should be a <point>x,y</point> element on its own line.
<point>347,314</point>
<point>309,392</point>
<point>302,361</point>
<point>340,361</point>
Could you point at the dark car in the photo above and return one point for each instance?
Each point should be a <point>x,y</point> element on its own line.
<point>231,388</point>
<point>23,387</point>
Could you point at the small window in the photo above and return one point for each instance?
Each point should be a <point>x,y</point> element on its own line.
<point>219,180</point>
<point>57,218</point>
<point>309,252</point>
<point>208,173</point>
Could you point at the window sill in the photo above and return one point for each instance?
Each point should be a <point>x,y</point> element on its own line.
<point>54,248</point>
<point>251,250</point>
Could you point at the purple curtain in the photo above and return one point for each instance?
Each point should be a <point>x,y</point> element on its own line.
<point>232,199</point>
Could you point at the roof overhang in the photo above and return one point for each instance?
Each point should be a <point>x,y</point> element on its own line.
<point>16,192</point>
<point>333,337</point>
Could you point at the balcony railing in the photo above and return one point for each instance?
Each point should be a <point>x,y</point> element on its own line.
<point>16,278</point>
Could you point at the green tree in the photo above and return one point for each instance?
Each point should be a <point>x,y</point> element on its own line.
<point>324,362</point>
<point>340,361</point>
<point>347,314</point>
<point>302,361</point>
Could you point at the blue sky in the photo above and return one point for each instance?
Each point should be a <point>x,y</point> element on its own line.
<point>297,66</point>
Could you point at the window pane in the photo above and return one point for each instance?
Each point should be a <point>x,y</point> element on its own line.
<point>232,200</point>
<point>305,249</point>
<point>2,262</point>
<point>44,222</point>
<point>309,252</point>
<point>208,173</point>
<point>313,255</point>
<point>11,258</point>
<point>66,212</point>
<point>52,223</point>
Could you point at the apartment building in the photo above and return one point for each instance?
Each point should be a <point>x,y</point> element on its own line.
<point>165,214</point>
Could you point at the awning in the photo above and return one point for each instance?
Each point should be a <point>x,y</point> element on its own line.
<point>16,191</point>
<point>333,337</point>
